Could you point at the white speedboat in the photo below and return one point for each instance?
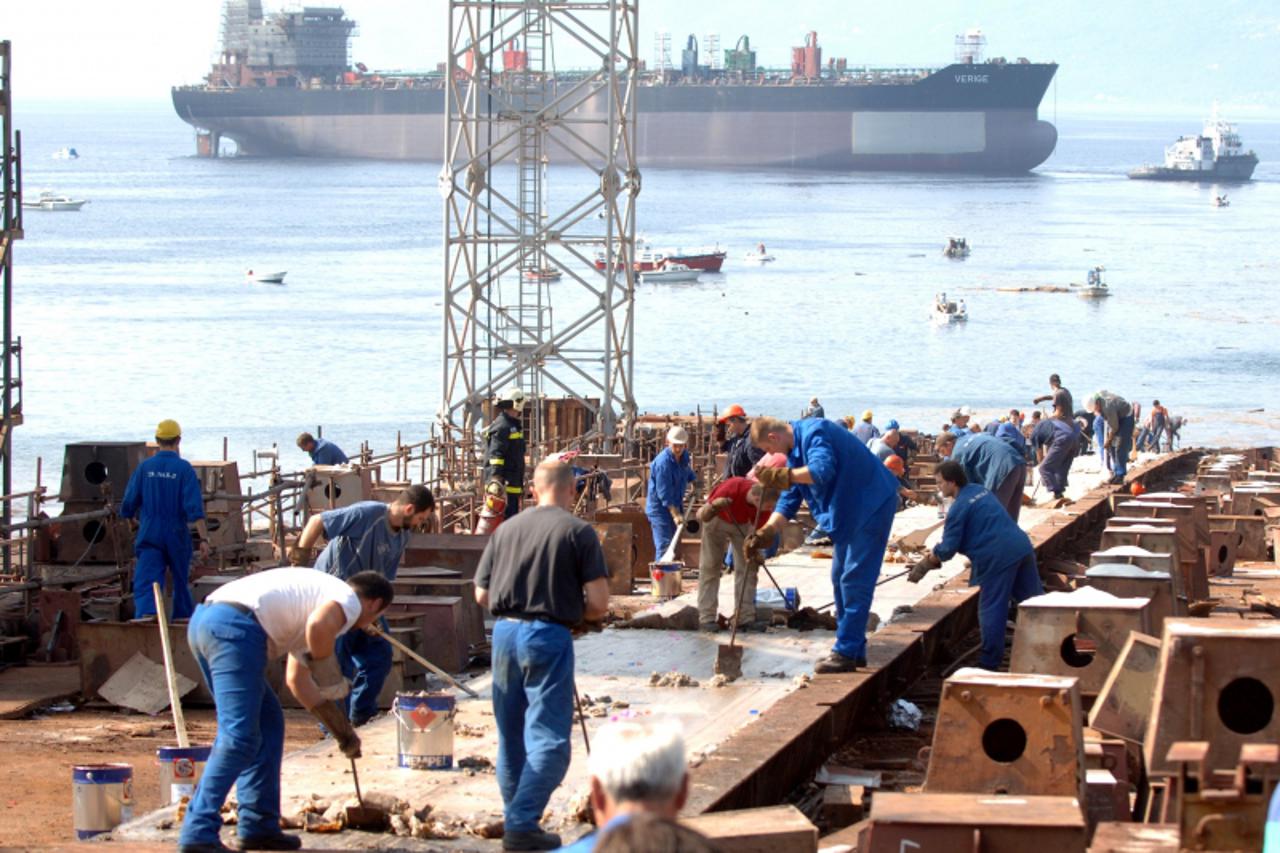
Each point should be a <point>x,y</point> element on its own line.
<point>266,277</point>
<point>947,312</point>
<point>52,201</point>
<point>66,154</point>
<point>957,248</point>
<point>1094,287</point>
<point>759,256</point>
<point>670,272</point>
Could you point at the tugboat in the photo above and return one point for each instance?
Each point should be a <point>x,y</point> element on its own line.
<point>1214,155</point>
<point>946,312</point>
<point>1095,287</point>
<point>957,248</point>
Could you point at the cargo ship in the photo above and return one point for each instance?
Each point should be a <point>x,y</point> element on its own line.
<point>284,86</point>
<point>1215,155</point>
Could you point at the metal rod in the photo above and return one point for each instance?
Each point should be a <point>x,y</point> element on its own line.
<point>582,718</point>
<point>420,659</point>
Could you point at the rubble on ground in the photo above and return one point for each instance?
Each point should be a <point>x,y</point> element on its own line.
<point>671,679</point>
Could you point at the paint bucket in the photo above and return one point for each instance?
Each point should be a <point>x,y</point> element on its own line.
<point>101,797</point>
<point>180,770</point>
<point>667,580</point>
<point>424,738</point>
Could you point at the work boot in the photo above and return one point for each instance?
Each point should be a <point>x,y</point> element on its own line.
<point>281,841</point>
<point>532,839</point>
<point>211,847</point>
<point>709,627</point>
<point>836,662</point>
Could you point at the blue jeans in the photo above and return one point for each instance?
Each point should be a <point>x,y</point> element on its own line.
<point>1124,443</point>
<point>664,530</point>
<point>152,561</point>
<point>533,707</point>
<point>231,649</point>
<point>855,567</point>
<point>366,662</point>
<point>1018,580</point>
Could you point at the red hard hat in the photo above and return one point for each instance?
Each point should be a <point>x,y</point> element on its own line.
<point>734,411</point>
<point>894,464</point>
<point>1136,488</point>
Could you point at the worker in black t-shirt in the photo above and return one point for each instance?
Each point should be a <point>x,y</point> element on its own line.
<point>541,573</point>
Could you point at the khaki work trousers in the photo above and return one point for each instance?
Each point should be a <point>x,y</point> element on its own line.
<point>717,536</point>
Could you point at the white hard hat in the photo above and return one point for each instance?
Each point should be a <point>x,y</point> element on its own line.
<point>964,411</point>
<point>677,435</point>
<point>515,394</point>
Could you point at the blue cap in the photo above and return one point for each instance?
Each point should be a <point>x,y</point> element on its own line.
<point>891,425</point>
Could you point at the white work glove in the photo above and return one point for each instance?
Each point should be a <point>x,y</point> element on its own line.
<point>327,675</point>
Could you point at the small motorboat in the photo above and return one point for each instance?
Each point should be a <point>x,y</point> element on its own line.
<point>1094,287</point>
<point>543,274</point>
<point>946,312</point>
<point>957,248</point>
<point>759,256</point>
<point>266,277</point>
<point>66,154</point>
<point>1221,201</point>
<point>52,201</point>
<point>670,272</point>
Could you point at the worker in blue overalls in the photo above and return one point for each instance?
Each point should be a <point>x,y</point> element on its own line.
<point>670,474</point>
<point>321,451</point>
<point>1004,563</point>
<point>164,496</point>
<point>366,536</point>
<point>852,496</point>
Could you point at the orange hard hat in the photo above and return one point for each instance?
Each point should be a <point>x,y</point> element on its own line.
<point>894,464</point>
<point>1136,488</point>
<point>734,411</point>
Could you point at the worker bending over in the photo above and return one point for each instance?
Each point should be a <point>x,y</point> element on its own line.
<point>1056,442</point>
<point>368,536</point>
<point>505,451</point>
<point>735,508</point>
<point>1116,413</point>
<point>670,474</point>
<point>1004,563</point>
<point>852,496</point>
<point>542,573</point>
<point>989,461</point>
<point>321,451</point>
<point>233,635</point>
<point>164,495</point>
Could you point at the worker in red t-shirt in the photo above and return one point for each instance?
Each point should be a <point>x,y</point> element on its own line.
<point>735,508</point>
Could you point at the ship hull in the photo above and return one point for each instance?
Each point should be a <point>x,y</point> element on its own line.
<point>1225,170</point>
<point>937,124</point>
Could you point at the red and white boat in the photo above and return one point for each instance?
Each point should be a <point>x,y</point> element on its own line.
<point>704,259</point>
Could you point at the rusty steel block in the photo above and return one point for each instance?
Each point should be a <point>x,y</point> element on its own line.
<point>1222,811</point>
<point>946,823</point>
<point>1008,733</point>
<point>443,628</point>
<point>642,535</point>
<point>1105,798</point>
<point>1217,682</point>
<point>619,547</point>
<point>1190,582</point>
<point>1123,706</point>
<point>334,486</point>
<point>1076,633</point>
<point>1250,532</point>
<point>1222,552</point>
<point>90,466</point>
<point>87,541</point>
<point>1125,580</point>
<point>1123,837</point>
<point>1149,560</point>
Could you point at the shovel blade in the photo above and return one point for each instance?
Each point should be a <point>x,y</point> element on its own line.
<point>367,818</point>
<point>729,662</point>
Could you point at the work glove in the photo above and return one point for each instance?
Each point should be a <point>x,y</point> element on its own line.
<point>299,556</point>
<point>774,478</point>
<point>327,675</point>
<point>709,511</point>
<point>922,567</point>
<point>759,540</point>
<point>337,724</point>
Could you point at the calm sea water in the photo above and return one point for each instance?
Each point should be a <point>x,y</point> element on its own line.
<point>136,309</point>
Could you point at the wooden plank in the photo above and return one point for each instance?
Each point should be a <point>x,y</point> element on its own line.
<point>775,829</point>
<point>23,689</point>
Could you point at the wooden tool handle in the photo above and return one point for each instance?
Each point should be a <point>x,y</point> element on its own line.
<point>175,701</point>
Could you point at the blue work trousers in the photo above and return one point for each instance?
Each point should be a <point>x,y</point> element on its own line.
<point>533,707</point>
<point>855,567</point>
<point>231,649</point>
<point>366,662</point>
<point>174,555</point>
<point>1124,443</point>
<point>664,530</point>
<point>1018,581</point>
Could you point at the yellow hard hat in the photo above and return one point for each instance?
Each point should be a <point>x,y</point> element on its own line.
<point>866,416</point>
<point>168,430</point>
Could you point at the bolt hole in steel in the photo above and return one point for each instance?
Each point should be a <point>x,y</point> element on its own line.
<point>213,524</point>
<point>1222,554</point>
<point>1246,706</point>
<point>332,491</point>
<point>93,532</point>
<point>1004,740</point>
<point>95,473</point>
<point>1078,650</point>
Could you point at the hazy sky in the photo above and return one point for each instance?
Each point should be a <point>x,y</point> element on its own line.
<point>1135,56</point>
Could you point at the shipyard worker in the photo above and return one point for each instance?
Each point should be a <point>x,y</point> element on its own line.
<point>542,573</point>
<point>164,495</point>
<point>670,474</point>
<point>233,635</point>
<point>865,430</point>
<point>1003,561</point>
<point>884,446</point>
<point>735,508</point>
<point>1157,425</point>
<point>321,451</point>
<point>505,449</point>
<point>906,444</point>
<point>1007,432</point>
<point>1063,406</point>
<point>740,453</point>
<point>853,497</point>
<point>960,421</point>
<point>990,462</point>
<point>1056,443</point>
<point>638,767</point>
<point>1117,416</point>
<point>366,536</point>
<point>814,410</point>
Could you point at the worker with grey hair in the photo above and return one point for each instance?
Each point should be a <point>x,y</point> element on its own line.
<point>1117,415</point>
<point>637,767</point>
<point>670,474</point>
